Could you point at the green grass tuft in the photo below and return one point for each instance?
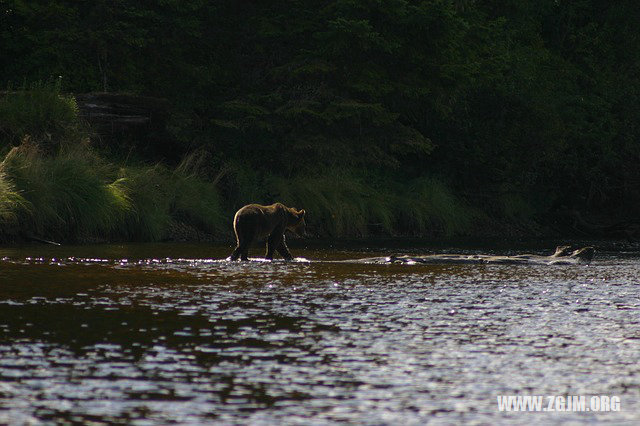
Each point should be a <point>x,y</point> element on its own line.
<point>70,195</point>
<point>338,203</point>
<point>147,188</point>
<point>195,199</point>
<point>76,196</point>
<point>12,205</point>
<point>41,113</point>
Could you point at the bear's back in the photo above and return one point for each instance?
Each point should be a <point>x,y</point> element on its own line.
<point>260,220</point>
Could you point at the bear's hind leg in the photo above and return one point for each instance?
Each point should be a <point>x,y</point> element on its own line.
<point>272,243</point>
<point>276,239</point>
<point>244,254</point>
<point>242,250</point>
<point>284,250</point>
<point>236,253</point>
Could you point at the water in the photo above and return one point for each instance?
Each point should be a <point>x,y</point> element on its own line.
<point>140,334</point>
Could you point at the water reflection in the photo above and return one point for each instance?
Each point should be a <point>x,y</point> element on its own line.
<point>90,337</point>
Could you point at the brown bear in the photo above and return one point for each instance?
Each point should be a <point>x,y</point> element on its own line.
<point>254,222</point>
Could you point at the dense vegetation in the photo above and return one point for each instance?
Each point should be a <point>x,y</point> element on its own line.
<point>379,117</point>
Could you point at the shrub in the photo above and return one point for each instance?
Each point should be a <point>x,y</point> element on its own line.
<point>40,113</point>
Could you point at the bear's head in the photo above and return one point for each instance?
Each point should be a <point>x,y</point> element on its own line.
<point>296,223</point>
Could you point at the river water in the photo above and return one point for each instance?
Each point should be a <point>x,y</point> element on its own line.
<point>159,334</point>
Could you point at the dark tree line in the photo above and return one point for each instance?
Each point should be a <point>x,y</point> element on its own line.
<point>526,108</point>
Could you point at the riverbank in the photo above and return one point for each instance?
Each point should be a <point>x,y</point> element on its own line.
<point>63,181</point>
<point>427,119</point>
<point>77,196</point>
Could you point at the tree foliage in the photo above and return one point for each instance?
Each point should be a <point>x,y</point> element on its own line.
<point>535,101</point>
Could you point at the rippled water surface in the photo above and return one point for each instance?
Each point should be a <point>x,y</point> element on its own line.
<point>166,334</point>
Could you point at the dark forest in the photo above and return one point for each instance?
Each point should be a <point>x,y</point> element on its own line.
<point>418,118</point>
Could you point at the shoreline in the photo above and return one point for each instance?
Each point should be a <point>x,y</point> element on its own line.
<point>401,243</point>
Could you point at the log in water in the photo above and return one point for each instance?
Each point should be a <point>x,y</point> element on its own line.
<point>564,255</point>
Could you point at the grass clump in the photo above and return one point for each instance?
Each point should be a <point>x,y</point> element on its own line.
<point>147,188</point>
<point>41,113</point>
<point>338,203</point>
<point>75,195</point>
<point>69,195</point>
<point>12,205</point>
<point>160,196</point>
<point>343,203</point>
<point>196,200</point>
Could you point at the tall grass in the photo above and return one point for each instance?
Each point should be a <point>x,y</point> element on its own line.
<point>12,205</point>
<point>196,200</point>
<point>75,195</point>
<point>146,188</point>
<point>69,195</point>
<point>339,204</point>
<point>345,204</point>
<point>160,196</point>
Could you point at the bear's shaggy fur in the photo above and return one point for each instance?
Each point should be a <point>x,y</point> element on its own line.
<point>254,222</point>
